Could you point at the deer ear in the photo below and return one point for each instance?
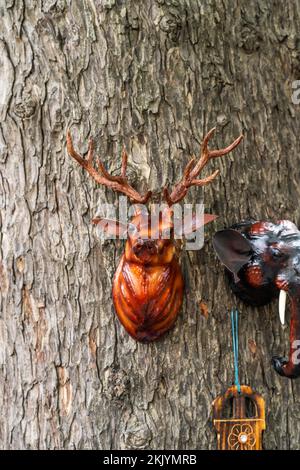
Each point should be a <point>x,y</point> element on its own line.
<point>233,250</point>
<point>191,224</point>
<point>111,228</point>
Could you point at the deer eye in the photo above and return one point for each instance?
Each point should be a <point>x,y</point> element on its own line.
<point>166,233</point>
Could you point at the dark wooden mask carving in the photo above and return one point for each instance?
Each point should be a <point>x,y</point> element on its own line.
<point>262,261</point>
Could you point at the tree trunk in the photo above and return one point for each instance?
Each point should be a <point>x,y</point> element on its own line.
<point>154,75</point>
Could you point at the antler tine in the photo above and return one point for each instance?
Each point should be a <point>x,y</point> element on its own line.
<point>191,172</point>
<point>124,163</point>
<point>121,178</point>
<point>72,152</point>
<point>206,154</point>
<point>107,175</point>
<point>90,152</point>
<point>207,180</point>
<point>189,167</point>
<point>117,183</point>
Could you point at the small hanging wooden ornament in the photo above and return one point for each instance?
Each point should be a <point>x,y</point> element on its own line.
<point>239,414</point>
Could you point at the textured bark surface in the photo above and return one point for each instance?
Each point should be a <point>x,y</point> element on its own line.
<point>153,75</point>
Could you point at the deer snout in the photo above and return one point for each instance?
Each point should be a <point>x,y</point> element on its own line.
<point>144,246</point>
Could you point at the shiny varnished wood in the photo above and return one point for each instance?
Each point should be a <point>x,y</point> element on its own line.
<point>239,431</point>
<point>147,298</point>
<point>148,284</point>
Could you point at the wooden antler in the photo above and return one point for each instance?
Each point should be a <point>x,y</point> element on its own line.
<point>101,176</point>
<point>193,169</point>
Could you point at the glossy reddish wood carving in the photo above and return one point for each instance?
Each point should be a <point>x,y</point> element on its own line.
<point>148,286</point>
<point>148,283</point>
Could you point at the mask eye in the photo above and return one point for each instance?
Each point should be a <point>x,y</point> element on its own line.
<point>276,253</point>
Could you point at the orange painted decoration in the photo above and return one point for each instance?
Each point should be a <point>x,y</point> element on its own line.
<point>239,431</point>
<point>148,284</point>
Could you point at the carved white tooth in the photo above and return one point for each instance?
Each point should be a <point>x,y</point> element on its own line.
<point>282,303</point>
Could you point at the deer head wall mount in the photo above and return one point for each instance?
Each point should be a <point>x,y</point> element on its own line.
<point>148,284</point>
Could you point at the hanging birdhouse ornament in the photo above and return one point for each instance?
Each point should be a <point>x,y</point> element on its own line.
<point>239,414</point>
<point>239,431</point>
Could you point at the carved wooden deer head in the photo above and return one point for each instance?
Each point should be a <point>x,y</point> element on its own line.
<point>148,284</point>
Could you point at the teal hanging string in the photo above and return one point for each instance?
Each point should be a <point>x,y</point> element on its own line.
<point>235,343</point>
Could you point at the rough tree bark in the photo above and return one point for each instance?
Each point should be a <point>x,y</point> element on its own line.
<point>153,75</point>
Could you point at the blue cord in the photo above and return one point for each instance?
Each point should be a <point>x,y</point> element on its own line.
<point>235,343</point>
